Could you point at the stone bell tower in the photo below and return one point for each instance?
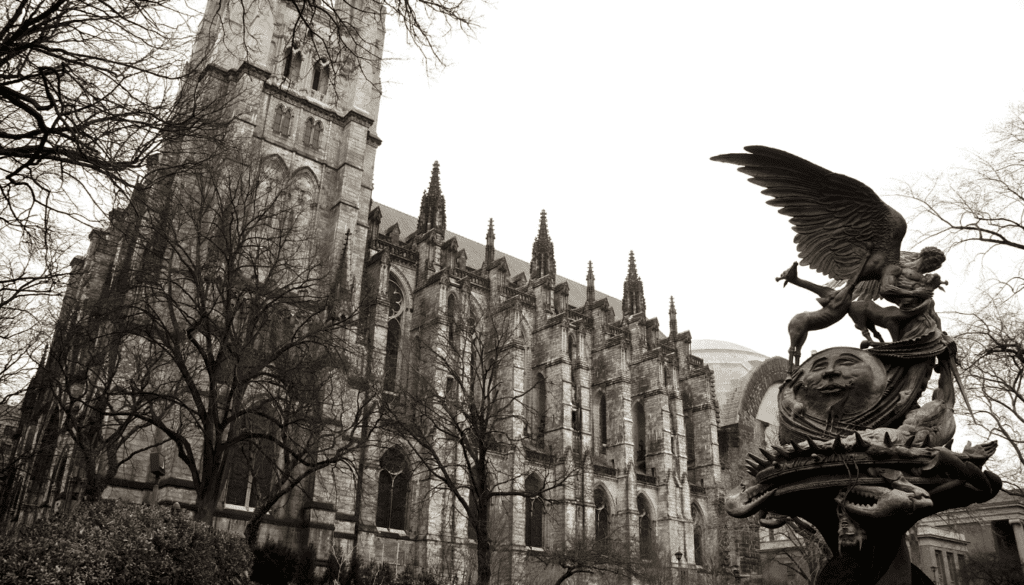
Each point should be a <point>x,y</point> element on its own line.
<point>304,78</point>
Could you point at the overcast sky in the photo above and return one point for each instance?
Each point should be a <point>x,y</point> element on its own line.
<point>606,115</point>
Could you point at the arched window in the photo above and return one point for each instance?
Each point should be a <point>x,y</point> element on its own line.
<point>602,420</point>
<point>392,490</point>
<point>395,309</point>
<point>251,469</point>
<point>321,70</point>
<point>534,525</point>
<point>647,544</point>
<point>282,120</point>
<point>639,436</point>
<point>698,535</point>
<point>602,523</point>
<point>311,137</point>
<point>292,63</point>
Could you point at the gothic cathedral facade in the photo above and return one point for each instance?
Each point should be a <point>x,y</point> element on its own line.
<point>628,400</point>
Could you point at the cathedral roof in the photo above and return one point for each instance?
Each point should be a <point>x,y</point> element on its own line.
<point>475,258</point>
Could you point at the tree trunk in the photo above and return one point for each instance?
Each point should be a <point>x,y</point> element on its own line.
<point>206,503</point>
<point>483,544</point>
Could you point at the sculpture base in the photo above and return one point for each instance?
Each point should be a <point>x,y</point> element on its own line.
<point>847,570</point>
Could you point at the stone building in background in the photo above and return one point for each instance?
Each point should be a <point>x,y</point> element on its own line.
<point>660,442</point>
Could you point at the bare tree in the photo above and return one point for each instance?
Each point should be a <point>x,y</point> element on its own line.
<point>991,349</point>
<point>585,554</point>
<point>980,209</point>
<point>226,279</point>
<point>980,206</point>
<point>462,414</point>
<point>991,569</point>
<point>798,547</point>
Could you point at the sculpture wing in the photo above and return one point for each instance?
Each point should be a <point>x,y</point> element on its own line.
<point>838,221</point>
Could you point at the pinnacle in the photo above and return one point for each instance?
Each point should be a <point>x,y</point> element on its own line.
<point>435,180</point>
<point>543,260</point>
<point>543,233</point>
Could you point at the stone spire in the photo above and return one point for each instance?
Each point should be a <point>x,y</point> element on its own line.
<point>543,262</point>
<point>590,283</point>
<point>673,327</point>
<point>633,291</point>
<point>432,205</point>
<point>489,250</point>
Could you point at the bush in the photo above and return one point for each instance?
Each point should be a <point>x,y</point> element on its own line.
<point>113,543</point>
<point>275,563</point>
<point>357,573</point>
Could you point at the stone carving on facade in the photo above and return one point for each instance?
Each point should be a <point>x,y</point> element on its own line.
<point>861,455</point>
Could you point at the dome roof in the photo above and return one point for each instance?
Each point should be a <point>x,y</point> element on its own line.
<point>713,351</point>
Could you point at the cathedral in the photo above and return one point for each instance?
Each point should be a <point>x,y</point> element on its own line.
<point>659,442</point>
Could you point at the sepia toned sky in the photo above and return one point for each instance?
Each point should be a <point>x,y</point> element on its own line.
<point>605,116</point>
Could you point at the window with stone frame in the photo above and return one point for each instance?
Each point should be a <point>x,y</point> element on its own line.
<point>648,546</point>
<point>602,516</point>
<point>311,136</point>
<point>282,120</point>
<point>392,491</point>
<point>602,421</point>
<point>396,308</point>
<point>639,436</point>
<point>321,73</point>
<point>533,526</point>
<point>452,315</point>
<point>292,63</point>
<point>250,473</point>
<point>698,535</point>
<point>536,408</point>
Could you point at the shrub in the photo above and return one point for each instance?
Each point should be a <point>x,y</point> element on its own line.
<point>113,543</point>
<point>274,563</point>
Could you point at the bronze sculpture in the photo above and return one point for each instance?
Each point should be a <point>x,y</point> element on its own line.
<point>860,458</point>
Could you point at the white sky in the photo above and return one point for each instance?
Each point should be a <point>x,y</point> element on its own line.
<point>606,116</point>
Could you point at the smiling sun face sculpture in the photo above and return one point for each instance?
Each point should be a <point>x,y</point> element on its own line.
<point>835,384</point>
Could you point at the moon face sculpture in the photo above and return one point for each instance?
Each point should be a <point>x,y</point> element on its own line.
<point>838,381</point>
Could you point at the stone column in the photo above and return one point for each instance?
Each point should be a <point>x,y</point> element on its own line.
<point>1018,536</point>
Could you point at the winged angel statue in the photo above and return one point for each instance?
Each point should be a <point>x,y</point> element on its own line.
<point>845,231</point>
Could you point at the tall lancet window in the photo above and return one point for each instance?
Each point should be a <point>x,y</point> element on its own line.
<point>311,137</point>
<point>292,63</point>
<point>698,535</point>
<point>392,490</point>
<point>639,437</point>
<point>536,408</point>
<point>648,548</point>
<point>534,524</point>
<point>453,314</point>
<point>396,306</point>
<point>602,518</point>
<point>321,71</point>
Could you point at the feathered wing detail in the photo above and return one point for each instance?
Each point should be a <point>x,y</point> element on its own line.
<point>838,221</point>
